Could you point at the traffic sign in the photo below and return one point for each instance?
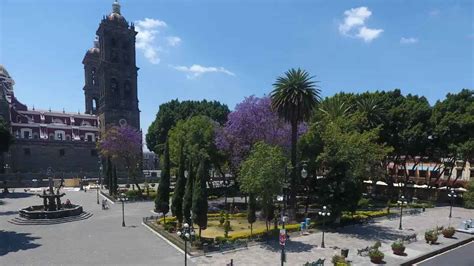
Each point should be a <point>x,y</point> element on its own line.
<point>282,237</point>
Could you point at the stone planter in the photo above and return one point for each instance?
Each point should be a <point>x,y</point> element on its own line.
<point>376,259</point>
<point>398,250</point>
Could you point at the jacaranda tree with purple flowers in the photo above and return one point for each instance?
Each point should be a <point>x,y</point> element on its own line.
<point>124,146</point>
<point>253,120</point>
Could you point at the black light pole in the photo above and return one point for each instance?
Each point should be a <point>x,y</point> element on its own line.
<point>401,202</point>
<point>323,213</point>
<point>97,188</point>
<point>452,195</point>
<point>187,233</point>
<point>123,199</point>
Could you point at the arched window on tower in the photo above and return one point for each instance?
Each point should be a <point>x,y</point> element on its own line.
<point>93,76</point>
<point>94,104</point>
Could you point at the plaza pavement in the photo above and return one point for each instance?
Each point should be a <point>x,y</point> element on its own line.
<point>306,248</point>
<point>99,240</point>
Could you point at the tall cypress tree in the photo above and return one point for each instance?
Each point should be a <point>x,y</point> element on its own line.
<point>177,200</point>
<point>200,205</point>
<point>188,195</point>
<point>108,175</point>
<point>162,202</point>
<point>251,217</point>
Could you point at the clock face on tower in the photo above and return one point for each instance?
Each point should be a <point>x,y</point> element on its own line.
<point>122,122</point>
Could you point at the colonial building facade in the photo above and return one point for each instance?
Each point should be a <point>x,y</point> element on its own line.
<point>66,141</point>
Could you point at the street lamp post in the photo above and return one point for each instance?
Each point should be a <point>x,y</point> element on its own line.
<point>304,175</point>
<point>187,233</point>
<point>122,198</point>
<point>325,212</point>
<point>452,195</point>
<point>401,203</point>
<point>97,188</point>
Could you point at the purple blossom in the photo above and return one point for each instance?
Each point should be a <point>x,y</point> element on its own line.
<point>253,120</point>
<point>121,143</point>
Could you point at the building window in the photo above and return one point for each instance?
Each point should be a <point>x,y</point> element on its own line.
<point>89,138</point>
<point>447,172</point>
<point>27,151</point>
<point>472,173</point>
<point>26,134</point>
<point>62,152</point>
<point>458,173</point>
<point>422,173</point>
<point>94,153</point>
<point>412,173</point>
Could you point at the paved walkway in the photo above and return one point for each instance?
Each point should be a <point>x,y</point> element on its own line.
<point>306,248</point>
<point>99,240</point>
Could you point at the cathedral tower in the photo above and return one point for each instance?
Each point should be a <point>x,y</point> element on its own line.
<point>111,73</point>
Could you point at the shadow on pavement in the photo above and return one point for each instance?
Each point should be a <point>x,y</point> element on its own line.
<point>16,195</point>
<point>8,213</point>
<point>13,242</point>
<point>291,246</point>
<point>372,231</point>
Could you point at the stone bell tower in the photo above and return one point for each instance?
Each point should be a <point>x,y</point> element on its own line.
<point>111,73</point>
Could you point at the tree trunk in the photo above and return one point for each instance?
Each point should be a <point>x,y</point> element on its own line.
<point>164,218</point>
<point>251,230</point>
<point>294,135</point>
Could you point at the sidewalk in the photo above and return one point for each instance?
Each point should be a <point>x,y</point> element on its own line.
<point>306,248</point>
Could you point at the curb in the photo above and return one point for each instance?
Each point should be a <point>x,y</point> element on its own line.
<point>437,252</point>
<point>166,240</point>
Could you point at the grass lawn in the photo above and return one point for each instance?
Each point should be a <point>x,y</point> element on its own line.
<point>238,225</point>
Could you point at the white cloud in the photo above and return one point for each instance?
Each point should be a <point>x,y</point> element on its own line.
<point>150,23</point>
<point>409,40</point>
<point>195,71</point>
<point>354,24</point>
<point>173,40</point>
<point>147,38</point>
<point>368,34</point>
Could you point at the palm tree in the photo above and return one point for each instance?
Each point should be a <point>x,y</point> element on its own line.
<point>294,97</point>
<point>373,109</point>
<point>334,107</point>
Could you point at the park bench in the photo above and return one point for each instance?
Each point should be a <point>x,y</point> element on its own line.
<point>410,238</point>
<point>364,251</point>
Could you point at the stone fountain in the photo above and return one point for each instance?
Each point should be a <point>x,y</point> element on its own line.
<point>52,207</point>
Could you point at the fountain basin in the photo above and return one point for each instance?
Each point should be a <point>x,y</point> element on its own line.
<point>38,212</point>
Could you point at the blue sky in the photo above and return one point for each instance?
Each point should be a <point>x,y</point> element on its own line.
<point>226,50</point>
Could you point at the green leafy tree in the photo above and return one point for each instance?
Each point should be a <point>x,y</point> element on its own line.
<point>262,174</point>
<point>348,156</point>
<point>468,196</point>
<point>200,204</point>
<point>163,197</point>
<point>171,112</point>
<point>188,194</point>
<point>453,136</point>
<point>251,215</point>
<point>177,200</point>
<point>294,97</point>
<point>196,137</point>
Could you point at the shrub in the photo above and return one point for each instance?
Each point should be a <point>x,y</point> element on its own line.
<point>398,244</point>
<point>133,194</point>
<point>375,253</point>
<point>221,219</point>
<point>431,236</point>
<point>363,203</point>
<point>448,232</point>
<point>338,260</point>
